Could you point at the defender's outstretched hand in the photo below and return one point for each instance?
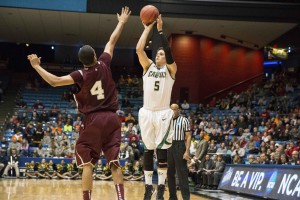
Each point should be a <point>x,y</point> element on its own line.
<point>34,60</point>
<point>125,13</point>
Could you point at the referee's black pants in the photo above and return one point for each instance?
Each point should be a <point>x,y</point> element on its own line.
<point>176,164</point>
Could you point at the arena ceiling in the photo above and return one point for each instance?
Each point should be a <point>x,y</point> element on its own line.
<point>76,28</point>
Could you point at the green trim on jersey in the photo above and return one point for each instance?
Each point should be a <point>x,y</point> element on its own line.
<point>164,141</point>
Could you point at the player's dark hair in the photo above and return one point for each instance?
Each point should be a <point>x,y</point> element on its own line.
<point>86,55</point>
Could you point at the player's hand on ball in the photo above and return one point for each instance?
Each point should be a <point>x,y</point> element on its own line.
<point>34,60</point>
<point>149,26</point>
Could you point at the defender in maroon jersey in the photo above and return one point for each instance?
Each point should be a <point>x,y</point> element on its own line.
<point>97,99</point>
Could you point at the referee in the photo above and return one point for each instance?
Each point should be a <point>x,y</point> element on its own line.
<point>178,155</point>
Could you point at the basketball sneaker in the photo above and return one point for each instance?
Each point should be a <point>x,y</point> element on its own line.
<point>160,192</point>
<point>149,191</point>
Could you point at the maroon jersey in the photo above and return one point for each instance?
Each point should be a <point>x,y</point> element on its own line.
<point>97,88</point>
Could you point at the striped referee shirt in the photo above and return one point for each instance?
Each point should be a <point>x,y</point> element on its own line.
<point>181,125</point>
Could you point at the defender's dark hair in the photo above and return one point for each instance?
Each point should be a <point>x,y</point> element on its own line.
<point>86,55</point>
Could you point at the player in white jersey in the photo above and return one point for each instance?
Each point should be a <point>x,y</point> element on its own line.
<point>155,116</point>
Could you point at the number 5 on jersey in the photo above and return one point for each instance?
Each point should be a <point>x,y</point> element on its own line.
<point>97,90</point>
<point>156,86</point>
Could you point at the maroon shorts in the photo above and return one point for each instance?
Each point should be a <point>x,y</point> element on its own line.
<point>101,132</point>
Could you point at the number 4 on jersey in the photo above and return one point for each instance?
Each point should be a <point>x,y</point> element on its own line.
<point>97,90</point>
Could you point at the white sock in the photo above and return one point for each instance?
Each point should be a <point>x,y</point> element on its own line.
<point>162,175</point>
<point>148,177</point>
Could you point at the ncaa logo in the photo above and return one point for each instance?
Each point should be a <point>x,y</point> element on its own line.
<point>271,183</point>
<point>227,176</point>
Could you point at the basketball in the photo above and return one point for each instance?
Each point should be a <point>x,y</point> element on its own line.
<point>149,14</point>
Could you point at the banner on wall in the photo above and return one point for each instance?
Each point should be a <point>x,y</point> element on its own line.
<point>266,181</point>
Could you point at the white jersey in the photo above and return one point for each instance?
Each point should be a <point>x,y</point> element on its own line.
<point>157,84</point>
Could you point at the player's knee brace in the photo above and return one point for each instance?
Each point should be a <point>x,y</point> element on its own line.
<point>148,160</point>
<point>162,158</point>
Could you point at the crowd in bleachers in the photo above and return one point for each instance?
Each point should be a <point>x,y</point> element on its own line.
<point>260,125</point>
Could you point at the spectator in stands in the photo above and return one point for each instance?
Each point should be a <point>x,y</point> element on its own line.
<point>20,103</point>
<point>29,132</point>
<point>77,123</point>
<point>290,149</point>
<point>129,80</point>
<point>24,119</point>
<point>294,160</point>
<point>212,148</point>
<point>262,127</point>
<point>71,150</point>
<point>251,146</point>
<point>235,108</point>
<point>24,150</point>
<point>38,105</point>
<point>121,115</point>
<point>238,150</point>
<point>12,163</point>
<point>75,134</point>
<point>262,101</point>
<point>135,81</point>
<point>12,122</point>
<point>68,128</point>
<point>46,141</point>
<point>265,114</point>
<point>125,148</point>
<point>199,109</point>
<point>34,118</point>
<point>43,118</point>
<point>126,103</point>
<point>41,151</point>
<point>241,123</point>
<point>54,110</point>
<point>263,159</point>
<point>283,159</point>
<point>222,149</point>
<point>38,135</point>
<point>122,80</point>
<point>129,119</point>
<point>251,159</point>
<point>14,144</point>
<point>17,136</point>
<point>295,133</point>
<point>4,146</point>
<point>185,106</point>
<point>237,160</point>
<point>242,142</point>
<point>134,144</point>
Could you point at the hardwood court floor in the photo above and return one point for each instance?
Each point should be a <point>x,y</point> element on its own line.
<point>44,189</point>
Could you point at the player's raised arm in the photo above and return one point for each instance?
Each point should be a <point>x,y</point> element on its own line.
<point>53,80</point>
<point>125,13</point>
<point>165,45</point>
<point>143,58</point>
